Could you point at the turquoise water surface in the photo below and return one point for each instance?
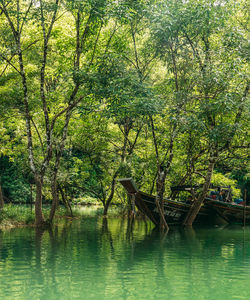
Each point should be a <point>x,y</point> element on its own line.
<point>92,258</point>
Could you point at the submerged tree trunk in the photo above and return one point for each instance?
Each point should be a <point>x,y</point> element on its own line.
<point>111,195</point>
<point>54,188</point>
<point>160,186</point>
<point>195,208</point>
<point>1,198</point>
<point>40,221</point>
<point>162,171</point>
<point>65,200</point>
<point>131,205</point>
<point>55,200</point>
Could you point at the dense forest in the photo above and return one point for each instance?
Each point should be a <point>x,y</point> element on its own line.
<point>95,90</point>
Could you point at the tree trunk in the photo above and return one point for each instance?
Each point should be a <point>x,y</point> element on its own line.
<point>195,208</point>
<point>111,195</point>
<point>65,201</point>
<point>40,221</point>
<point>109,200</point>
<point>160,186</point>
<point>1,198</point>
<point>105,211</point>
<point>55,199</point>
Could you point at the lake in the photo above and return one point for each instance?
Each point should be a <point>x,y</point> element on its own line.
<point>96,258</point>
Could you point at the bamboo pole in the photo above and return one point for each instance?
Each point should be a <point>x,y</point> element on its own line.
<point>31,196</point>
<point>244,212</point>
<point>133,205</point>
<point>1,198</point>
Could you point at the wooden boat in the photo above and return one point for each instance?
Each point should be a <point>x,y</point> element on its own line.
<point>231,212</point>
<point>174,211</point>
<point>212,212</point>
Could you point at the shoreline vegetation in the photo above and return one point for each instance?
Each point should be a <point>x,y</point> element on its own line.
<point>15,215</point>
<point>12,216</point>
<point>20,215</point>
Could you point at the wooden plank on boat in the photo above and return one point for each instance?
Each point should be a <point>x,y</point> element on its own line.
<point>129,185</point>
<point>180,188</point>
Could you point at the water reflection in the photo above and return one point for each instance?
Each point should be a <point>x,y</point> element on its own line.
<point>122,258</point>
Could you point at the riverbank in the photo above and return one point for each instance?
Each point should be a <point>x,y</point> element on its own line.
<point>12,216</point>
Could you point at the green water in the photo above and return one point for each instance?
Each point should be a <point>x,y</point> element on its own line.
<point>89,259</point>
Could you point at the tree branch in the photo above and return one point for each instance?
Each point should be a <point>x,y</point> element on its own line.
<point>9,62</point>
<point>38,134</point>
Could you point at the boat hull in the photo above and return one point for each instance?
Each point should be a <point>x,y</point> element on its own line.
<point>230,212</point>
<point>175,212</point>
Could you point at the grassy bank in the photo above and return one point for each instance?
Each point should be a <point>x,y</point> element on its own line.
<point>15,215</point>
<point>21,215</point>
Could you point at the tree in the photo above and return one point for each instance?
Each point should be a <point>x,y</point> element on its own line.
<point>217,82</point>
<point>49,129</point>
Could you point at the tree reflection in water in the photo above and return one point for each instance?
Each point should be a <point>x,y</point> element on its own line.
<point>122,257</point>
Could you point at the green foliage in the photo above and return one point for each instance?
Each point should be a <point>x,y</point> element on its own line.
<point>15,214</point>
<point>20,215</point>
<point>183,62</point>
<point>225,180</point>
<point>14,180</point>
